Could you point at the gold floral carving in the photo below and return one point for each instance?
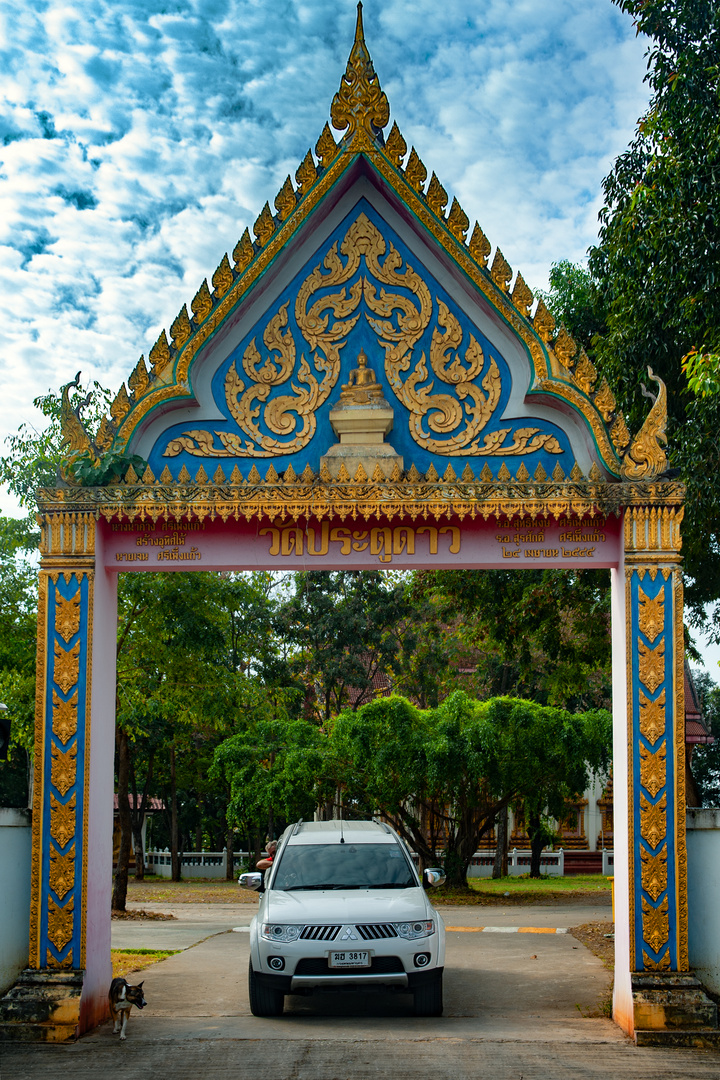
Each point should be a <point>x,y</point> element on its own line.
<point>653,528</point>
<point>222,279</point>
<point>653,820</point>
<point>646,458</point>
<point>326,148</point>
<point>399,322</point>
<point>663,964</point>
<point>67,666</point>
<point>585,373</point>
<point>651,663</point>
<point>543,322</point>
<point>360,105</point>
<point>652,717</point>
<point>619,433</point>
<point>244,252</point>
<point>436,196</point>
<point>652,769</point>
<point>654,872</point>
<point>605,400</point>
<point>64,717</point>
<point>479,246</point>
<point>564,347</point>
<point>138,383</point>
<point>120,406</point>
<point>306,174</point>
<point>457,221</point>
<point>395,146</point>
<point>181,328</point>
<point>63,769</point>
<point>651,615</point>
<point>159,355</point>
<point>62,820</point>
<point>60,923</point>
<point>522,296</point>
<point>67,615</point>
<point>500,271</point>
<point>201,303</point>
<point>415,171</point>
<point>285,200</point>
<point>62,872</point>
<point>656,924</point>
<point>264,227</point>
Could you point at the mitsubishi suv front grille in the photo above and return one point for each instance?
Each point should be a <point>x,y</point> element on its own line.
<point>373,931</point>
<point>320,933</point>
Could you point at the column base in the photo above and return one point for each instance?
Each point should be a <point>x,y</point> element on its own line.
<point>42,1006</point>
<point>673,1010</point>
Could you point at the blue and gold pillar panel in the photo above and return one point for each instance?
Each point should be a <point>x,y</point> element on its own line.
<point>62,742</point>
<point>656,732</point>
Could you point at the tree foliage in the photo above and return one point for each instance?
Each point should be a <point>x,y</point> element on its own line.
<point>656,262</point>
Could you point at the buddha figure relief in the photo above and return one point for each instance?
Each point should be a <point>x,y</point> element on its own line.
<point>362,387</point>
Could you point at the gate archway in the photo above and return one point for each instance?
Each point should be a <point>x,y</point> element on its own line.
<point>360,387</point>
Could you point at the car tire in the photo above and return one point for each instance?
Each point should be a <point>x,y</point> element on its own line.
<point>428,998</point>
<point>263,1000</point>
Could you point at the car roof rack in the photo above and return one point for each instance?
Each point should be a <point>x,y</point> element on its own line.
<point>297,827</point>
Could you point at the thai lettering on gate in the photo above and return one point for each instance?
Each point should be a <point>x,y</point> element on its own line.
<point>381,541</point>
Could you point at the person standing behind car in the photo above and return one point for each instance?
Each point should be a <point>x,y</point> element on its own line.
<point>266,863</point>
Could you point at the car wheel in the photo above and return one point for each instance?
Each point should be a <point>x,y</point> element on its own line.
<point>263,1001</point>
<point>428,998</point>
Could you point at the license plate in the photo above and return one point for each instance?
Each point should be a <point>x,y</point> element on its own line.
<point>349,959</point>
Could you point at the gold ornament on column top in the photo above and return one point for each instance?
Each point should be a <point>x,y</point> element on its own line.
<point>63,769</point>
<point>646,459</point>
<point>656,924</point>
<point>67,666</point>
<point>663,964</point>
<point>651,663</point>
<point>652,717</point>
<point>67,615</point>
<point>360,104</point>
<point>62,820</point>
<point>651,614</point>
<point>60,924</point>
<point>64,717</point>
<point>62,872</point>
<point>654,872</point>
<point>653,820</point>
<point>652,769</point>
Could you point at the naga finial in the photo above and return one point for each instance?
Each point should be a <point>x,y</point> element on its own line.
<point>74,436</point>
<point>646,459</point>
<point>360,104</point>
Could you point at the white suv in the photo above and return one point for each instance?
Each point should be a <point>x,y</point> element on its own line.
<point>343,906</point>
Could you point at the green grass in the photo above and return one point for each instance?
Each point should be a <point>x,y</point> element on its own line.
<point>524,890</point>
<point>125,961</point>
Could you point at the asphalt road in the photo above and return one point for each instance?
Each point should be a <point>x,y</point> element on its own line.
<point>518,1006</point>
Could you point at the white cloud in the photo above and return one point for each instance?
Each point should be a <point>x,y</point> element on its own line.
<point>142,137</point>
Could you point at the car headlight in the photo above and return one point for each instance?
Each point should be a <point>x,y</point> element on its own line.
<point>281,932</point>
<point>414,930</point>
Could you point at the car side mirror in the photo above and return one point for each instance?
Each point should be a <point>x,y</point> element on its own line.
<point>433,877</point>
<point>253,880</point>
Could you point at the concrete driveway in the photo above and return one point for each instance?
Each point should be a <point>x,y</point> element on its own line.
<point>519,1004</point>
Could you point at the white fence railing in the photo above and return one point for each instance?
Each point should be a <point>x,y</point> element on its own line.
<point>194,864</point>
<point>552,863</point>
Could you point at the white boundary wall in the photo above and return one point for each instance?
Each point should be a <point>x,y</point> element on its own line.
<point>703,850</point>
<point>15,853</point>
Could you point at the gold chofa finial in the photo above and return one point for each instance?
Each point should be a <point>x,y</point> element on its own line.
<point>360,104</point>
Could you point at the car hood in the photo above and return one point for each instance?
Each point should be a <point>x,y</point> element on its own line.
<point>367,905</point>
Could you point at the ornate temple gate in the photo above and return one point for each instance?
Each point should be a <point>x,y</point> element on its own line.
<point>406,410</point>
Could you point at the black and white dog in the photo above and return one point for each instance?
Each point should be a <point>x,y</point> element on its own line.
<point>122,997</point>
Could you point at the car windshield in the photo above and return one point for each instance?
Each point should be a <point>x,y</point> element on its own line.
<point>343,866</point>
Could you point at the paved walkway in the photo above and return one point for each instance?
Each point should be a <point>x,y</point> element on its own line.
<point>518,1006</point>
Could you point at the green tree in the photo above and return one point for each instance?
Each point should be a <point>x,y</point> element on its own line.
<point>574,299</point>
<point>656,261</point>
<point>705,761</point>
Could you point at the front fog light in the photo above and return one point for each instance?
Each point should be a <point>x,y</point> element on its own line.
<point>422,959</point>
<point>413,930</point>
<point>280,932</point>
<point>277,963</point>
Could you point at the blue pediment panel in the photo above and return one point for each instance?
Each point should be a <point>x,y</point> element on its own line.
<point>363,277</point>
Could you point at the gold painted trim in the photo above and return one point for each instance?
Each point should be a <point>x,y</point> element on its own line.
<point>34,959</point>
<point>86,765</point>
<point>680,794</point>
<point>629,571</point>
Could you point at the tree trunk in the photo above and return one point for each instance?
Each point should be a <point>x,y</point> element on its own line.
<point>257,849</point>
<point>119,895</point>
<point>500,864</point>
<point>230,845</point>
<point>174,853</point>
<point>537,843</point>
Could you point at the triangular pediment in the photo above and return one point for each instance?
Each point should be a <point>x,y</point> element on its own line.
<point>362,256</point>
